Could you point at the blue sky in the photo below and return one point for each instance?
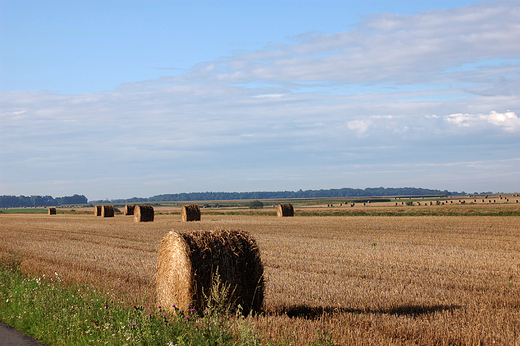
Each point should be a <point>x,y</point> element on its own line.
<point>115,99</point>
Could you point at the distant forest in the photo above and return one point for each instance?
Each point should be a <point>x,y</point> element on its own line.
<point>40,201</point>
<point>331,193</point>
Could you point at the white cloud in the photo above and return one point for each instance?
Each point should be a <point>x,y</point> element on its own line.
<point>460,119</point>
<point>417,48</point>
<point>359,126</point>
<point>508,121</point>
<point>269,96</point>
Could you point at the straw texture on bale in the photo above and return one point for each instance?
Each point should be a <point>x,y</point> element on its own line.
<point>107,211</point>
<point>188,262</point>
<point>97,210</point>
<point>52,211</point>
<point>190,212</point>
<point>285,209</point>
<point>129,209</point>
<point>143,213</point>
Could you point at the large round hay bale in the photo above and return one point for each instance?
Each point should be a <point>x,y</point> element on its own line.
<point>97,210</point>
<point>129,209</point>
<point>189,262</point>
<point>107,211</point>
<point>52,211</point>
<point>190,212</point>
<point>285,209</point>
<point>143,213</point>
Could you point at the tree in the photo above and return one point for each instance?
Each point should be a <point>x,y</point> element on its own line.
<point>256,204</point>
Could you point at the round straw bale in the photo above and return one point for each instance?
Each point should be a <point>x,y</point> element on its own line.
<point>143,213</point>
<point>97,210</point>
<point>129,209</point>
<point>190,212</point>
<point>285,209</point>
<point>107,211</point>
<point>52,211</point>
<point>188,263</point>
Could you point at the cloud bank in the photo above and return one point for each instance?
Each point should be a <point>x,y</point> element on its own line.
<point>428,100</point>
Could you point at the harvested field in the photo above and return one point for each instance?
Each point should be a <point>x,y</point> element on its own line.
<point>358,280</point>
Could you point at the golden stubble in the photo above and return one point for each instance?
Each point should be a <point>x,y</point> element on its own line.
<point>359,280</point>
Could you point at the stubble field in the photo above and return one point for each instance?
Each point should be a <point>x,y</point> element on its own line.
<point>349,280</point>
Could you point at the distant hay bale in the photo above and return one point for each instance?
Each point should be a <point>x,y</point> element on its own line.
<point>190,212</point>
<point>129,209</point>
<point>143,213</point>
<point>52,211</point>
<point>97,210</point>
<point>107,211</point>
<point>188,263</point>
<point>285,209</point>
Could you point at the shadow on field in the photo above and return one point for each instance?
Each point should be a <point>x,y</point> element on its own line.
<point>313,312</point>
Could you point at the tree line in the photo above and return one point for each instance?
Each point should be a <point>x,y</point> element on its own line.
<point>7,201</point>
<point>330,193</point>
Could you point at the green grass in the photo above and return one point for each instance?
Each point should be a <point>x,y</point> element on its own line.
<point>413,211</point>
<point>24,211</point>
<point>77,315</point>
<point>389,211</point>
<point>42,211</point>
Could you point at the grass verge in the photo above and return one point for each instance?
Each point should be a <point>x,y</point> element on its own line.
<point>77,315</point>
<point>43,211</point>
<point>24,211</point>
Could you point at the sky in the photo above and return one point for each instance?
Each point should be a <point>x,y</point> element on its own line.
<point>120,99</point>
